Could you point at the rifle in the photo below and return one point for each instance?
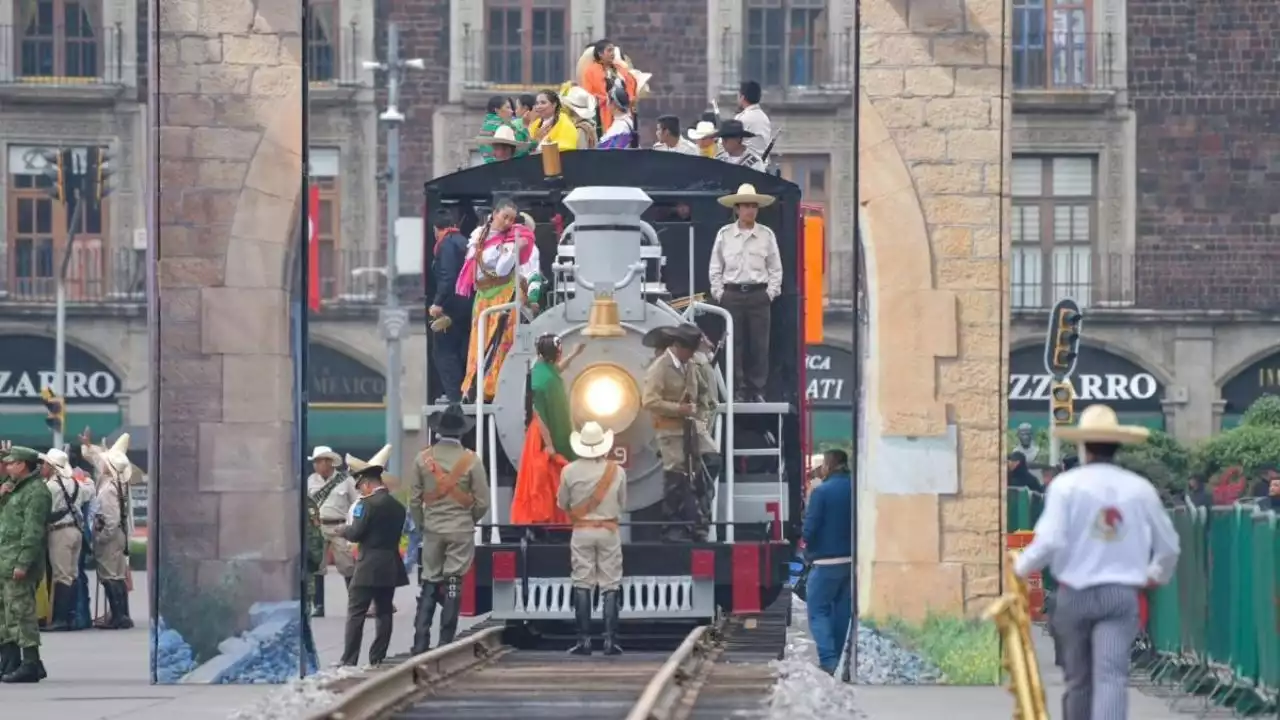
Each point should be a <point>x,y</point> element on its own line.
<point>769,149</point>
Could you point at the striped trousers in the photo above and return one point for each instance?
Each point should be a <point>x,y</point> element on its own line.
<point>1095,629</point>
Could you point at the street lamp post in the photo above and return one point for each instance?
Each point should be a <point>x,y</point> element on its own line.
<point>393,319</point>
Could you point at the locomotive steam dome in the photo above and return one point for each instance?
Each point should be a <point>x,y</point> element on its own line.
<point>605,264</point>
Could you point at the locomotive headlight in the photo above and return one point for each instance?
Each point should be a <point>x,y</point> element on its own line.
<point>607,394</point>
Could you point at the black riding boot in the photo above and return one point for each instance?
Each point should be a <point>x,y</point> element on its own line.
<point>30,671</point>
<point>317,597</point>
<point>582,620</point>
<point>10,658</point>
<point>63,608</point>
<point>677,497</point>
<point>612,606</point>
<point>425,617</point>
<point>121,620</point>
<point>449,610</point>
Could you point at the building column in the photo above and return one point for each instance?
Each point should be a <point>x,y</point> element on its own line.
<point>1192,356</point>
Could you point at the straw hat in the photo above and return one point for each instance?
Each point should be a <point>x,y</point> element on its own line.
<point>702,130</point>
<point>504,135</point>
<point>593,442</point>
<point>59,461</point>
<point>324,451</point>
<point>746,194</point>
<point>379,461</point>
<point>1099,424</point>
<point>581,102</point>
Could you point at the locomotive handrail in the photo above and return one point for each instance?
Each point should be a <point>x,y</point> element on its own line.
<point>480,403</point>
<point>633,271</point>
<point>729,401</point>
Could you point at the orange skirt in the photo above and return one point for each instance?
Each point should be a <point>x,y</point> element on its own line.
<point>537,482</point>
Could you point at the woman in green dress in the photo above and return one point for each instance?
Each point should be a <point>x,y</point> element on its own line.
<point>546,446</point>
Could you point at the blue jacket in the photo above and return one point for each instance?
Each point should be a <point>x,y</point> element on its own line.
<point>828,530</point>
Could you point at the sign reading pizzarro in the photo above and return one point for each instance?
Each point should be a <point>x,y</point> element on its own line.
<point>1100,377</point>
<point>26,368</point>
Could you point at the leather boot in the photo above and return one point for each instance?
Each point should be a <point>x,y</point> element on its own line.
<point>449,610</point>
<point>612,607</point>
<point>582,621</point>
<point>30,671</point>
<point>676,495</point>
<point>317,598</point>
<point>425,617</point>
<point>10,658</point>
<point>126,620</point>
<point>60,618</point>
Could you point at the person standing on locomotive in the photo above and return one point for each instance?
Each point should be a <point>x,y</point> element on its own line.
<point>670,389</point>
<point>593,491</point>
<point>491,273</point>
<point>450,313</point>
<point>746,277</point>
<point>706,404</point>
<point>451,494</point>
<point>733,149</point>
<point>531,272</point>
<point>547,449</point>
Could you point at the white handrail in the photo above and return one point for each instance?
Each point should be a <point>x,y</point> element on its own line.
<point>478,384</point>
<point>729,402</point>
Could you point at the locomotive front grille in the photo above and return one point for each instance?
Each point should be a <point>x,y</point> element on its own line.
<point>672,596</point>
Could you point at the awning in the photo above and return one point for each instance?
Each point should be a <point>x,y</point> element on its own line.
<point>1040,420</point>
<point>28,428</point>
<point>347,428</point>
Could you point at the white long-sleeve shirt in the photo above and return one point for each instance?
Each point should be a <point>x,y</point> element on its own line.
<point>1102,525</point>
<point>745,256</point>
<point>754,120</point>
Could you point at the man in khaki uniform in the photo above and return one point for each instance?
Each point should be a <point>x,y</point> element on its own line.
<point>66,535</point>
<point>111,526</point>
<point>670,390</point>
<point>593,491</point>
<point>450,495</point>
<point>334,492</point>
<point>707,402</point>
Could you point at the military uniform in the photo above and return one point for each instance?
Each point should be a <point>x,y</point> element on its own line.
<point>594,493</point>
<point>66,536</point>
<point>111,533</point>
<point>451,494</point>
<point>706,405</point>
<point>668,383</point>
<point>24,516</point>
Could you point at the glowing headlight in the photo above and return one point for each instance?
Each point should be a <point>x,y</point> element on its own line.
<point>603,396</point>
<point>607,394</point>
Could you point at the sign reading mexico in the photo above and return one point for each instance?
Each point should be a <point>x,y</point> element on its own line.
<point>1100,377</point>
<point>27,368</point>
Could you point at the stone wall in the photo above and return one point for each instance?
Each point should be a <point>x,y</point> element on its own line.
<point>226,495</point>
<point>1203,82</point>
<point>933,154</point>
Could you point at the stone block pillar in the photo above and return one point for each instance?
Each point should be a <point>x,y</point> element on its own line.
<point>227,505</point>
<point>933,153</point>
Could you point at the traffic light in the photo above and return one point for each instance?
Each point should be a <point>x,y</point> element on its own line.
<point>57,168</point>
<point>99,174</point>
<point>56,407</point>
<point>1062,397</point>
<point>1063,342</point>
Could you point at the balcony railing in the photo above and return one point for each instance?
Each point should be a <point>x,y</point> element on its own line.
<point>358,278</point>
<point>547,61</point>
<point>1039,279</point>
<point>62,56</point>
<point>1066,61</point>
<point>96,275</point>
<point>333,56</point>
<point>820,64</point>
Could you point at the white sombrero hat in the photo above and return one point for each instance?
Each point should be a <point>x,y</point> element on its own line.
<point>504,135</point>
<point>379,460</point>
<point>746,194</point>
<point>324,451</point>
<point>1099,424</point>
<point>592,442</point>
<point>701,131</point>
<point>581,102</point>
<point>58,460</point>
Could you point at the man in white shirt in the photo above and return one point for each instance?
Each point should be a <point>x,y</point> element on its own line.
<point>669,138</point>
<point>746,277</point>
<point>334,492</point>
<point>753,118</point>
<point>1105,536</point>
<point>733,149</point>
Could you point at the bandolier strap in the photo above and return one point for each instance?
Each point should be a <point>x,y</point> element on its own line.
<point>447,484</point>
<point>580,511</point>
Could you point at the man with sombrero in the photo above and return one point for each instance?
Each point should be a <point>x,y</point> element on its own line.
<point>501,145</point>
<point>376,524</point>
<point>593,490</point>
<point>450,495</point>
<point>746,277</point>
<point>111,529</point>
<point>669,394</point>
<point>332,493</point>
<point>1106,536</point>
<point>733,148</point>
<point>66,535</point>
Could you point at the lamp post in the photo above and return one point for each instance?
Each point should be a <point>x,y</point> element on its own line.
<point>393,319</point>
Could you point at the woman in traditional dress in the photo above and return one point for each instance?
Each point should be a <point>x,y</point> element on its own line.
<point>531,273</point>
<point>491,273</point>
<point>552,124</point>
<point>622,133</point>
<point>546,445</point>
<point>601,68</point>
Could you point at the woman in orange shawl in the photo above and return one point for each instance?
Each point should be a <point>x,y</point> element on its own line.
<point>546,442</point>
<point>599,68</point>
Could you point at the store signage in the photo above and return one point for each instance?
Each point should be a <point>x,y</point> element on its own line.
<point>1260,378</point>
<point>828,376</point>
<point>26,368</point>
<point>339,379</point>
<point>1100,377</point>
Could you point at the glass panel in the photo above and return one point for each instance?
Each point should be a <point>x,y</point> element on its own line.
<point>26,215</point>
<point>44,216</point>
<point>1026,224</point>
<point>1069,47</point>
<point>763,52</point>
<point>818,181</point>
<point>1027,177</point>
<point>92,219</point>
<point>1070,224</point>
<point>549,52</point>
<point>504,47</point>
<point>1073,176</point>
<point>805,43</point>
<point>1025,277</point>
<point>1028,47</point>
<point>1071,276</point>
<point>326,217</point>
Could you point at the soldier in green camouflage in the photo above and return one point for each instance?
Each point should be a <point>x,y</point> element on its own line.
<point>24,518</point>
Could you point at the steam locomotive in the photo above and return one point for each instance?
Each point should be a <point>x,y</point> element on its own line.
<point>645,221</point>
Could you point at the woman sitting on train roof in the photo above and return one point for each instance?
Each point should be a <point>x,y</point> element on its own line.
<point>622,134</point>
<point>601,68</point>
<point>582,111</point>
<point>553,124</point>
<point>500,113</point>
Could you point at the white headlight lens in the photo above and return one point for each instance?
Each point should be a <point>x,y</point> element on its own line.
<point>604,397</point>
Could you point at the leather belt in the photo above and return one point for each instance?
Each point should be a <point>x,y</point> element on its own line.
<point>595,524</point>
<point>746,287</point>
<point>332,522</point>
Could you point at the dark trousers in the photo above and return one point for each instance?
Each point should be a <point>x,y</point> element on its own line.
<point>358,600</point>
<point>751,314</point>
<point>451,357</point>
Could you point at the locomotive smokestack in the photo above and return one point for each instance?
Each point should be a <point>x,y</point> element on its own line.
<point>608,266</point>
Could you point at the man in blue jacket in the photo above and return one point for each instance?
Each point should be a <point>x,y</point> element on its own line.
<point>828,539</point>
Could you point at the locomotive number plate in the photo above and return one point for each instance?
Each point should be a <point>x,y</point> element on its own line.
<point>621,454</point>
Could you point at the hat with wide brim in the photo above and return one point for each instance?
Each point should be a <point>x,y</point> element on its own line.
<point>377,462</point>
<point>701,131</point>
<point>451,423</point>
<point>324,452</point>
<point>580,102</point>
<point>1099,424</point>
<point>747,194</point>
<point>687,335</point>
<point>734,129</point>
<point>58,460</point>
<point>504,135</point>
<point>592,441</point>
<point>659,338</point>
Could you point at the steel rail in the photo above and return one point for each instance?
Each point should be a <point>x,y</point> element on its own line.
<point>661,697</point>
<point>382,693</point>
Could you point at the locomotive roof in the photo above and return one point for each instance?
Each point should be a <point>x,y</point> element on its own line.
<point>657,173</point>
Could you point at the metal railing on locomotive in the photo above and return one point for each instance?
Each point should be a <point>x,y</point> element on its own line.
<point>1012,616</point>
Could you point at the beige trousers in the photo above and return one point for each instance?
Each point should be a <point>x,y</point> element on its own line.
<point>596,558</point>
<point>447,554</point>
<point>109,553</point>
<point>343,556</point>
<point>64,553</point>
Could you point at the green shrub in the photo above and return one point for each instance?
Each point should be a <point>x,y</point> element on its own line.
<point>1264,412</point>
<point>966,651</point>
<point>1249,447</point>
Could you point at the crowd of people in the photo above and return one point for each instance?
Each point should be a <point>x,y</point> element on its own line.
<point>62,513</point>
<point>597,111</point>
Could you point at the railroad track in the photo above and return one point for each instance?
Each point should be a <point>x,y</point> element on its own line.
<point>715,672</point>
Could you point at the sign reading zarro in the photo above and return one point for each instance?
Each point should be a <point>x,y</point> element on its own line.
<point>1100,377</point>
<point>26,368</point>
